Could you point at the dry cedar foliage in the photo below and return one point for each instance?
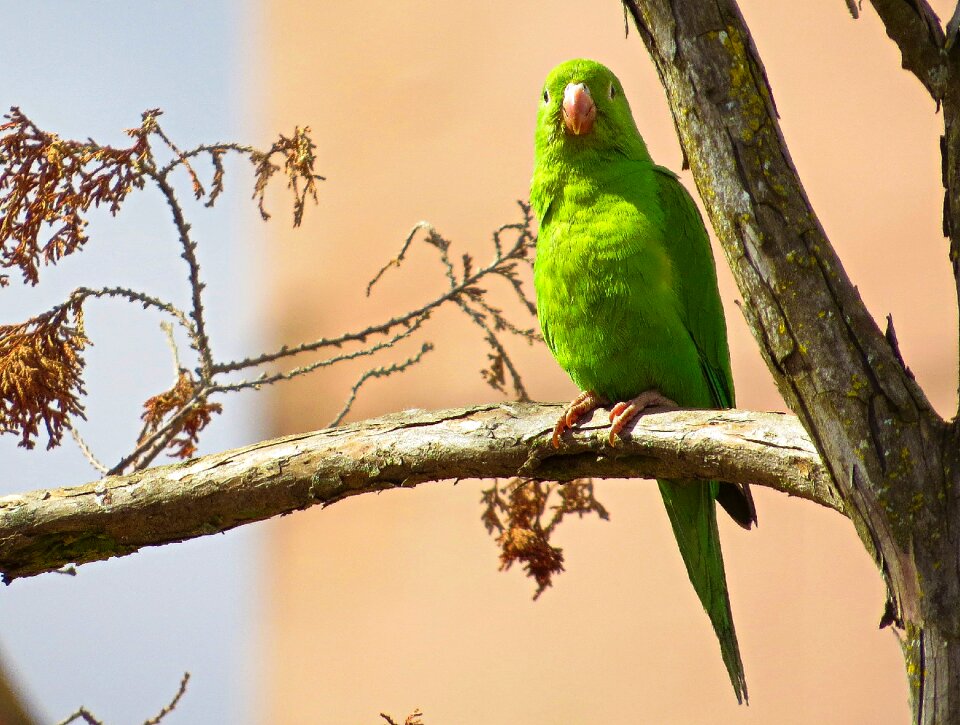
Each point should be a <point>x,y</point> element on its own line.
<point>50,183</point>
<point>526,513</point>
<point>40,374</point>
<point>298,161</point>
<point>193,415</point>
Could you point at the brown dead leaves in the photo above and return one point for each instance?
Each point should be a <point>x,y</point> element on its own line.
<point>48,184</point>
<point>526,514</point>
<point>298,162</point>
<point>183,412</point>
<point>40,374</point>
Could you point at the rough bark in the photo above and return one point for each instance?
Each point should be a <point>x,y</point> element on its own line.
<point>891,457</point>
<point>44,530</point>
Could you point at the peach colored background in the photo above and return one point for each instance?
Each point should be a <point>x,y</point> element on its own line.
<point>425,110</point>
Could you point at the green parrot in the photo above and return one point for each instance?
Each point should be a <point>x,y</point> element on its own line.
<point>628,302</point>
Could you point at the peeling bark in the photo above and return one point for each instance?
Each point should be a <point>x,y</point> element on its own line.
<point>44,530</point>
<point>892,458</point>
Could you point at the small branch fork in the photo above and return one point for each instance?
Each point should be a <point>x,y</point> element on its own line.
<point>42,531</point>
<point>44,179</point>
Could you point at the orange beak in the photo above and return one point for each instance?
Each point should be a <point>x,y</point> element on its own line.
<point>579,110</point>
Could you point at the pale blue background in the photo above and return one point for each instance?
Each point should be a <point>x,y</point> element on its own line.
<point>117,637</point>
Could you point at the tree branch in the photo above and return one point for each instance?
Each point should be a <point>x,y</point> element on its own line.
<point>916,30</point>
<point>41,531</point>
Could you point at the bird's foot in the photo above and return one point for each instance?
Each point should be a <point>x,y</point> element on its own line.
<point>579,406</point>
<point>626,410</point>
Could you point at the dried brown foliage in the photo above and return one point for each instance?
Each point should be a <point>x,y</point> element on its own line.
<point>526,513</point>
<point>298,160</point>
<point>48,184</point>
<point>193,413</point>
<point>40,374</point>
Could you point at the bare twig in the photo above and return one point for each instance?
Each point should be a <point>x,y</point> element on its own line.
<point>81,294</point>
<point>499,359</point>
<point>404,248</point>
<point>414,718</point>
<point>378,372</point>
<point>215,150</point>
<point>199,339</point>
<point>170,706</point>
<point>81,714</point>
<point>85,450</point>
<point>265,379</point>
<point>88,717</point>
<point>172,343</point>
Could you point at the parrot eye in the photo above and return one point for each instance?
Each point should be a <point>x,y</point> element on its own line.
<point>546,96</point>
<point>613,91</point>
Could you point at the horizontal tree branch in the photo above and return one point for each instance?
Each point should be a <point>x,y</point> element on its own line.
<point>41,531</point>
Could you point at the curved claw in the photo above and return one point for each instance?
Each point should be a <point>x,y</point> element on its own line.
<point>625,411</point>
<point>578,407</point>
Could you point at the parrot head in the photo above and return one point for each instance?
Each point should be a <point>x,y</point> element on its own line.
<point>583,111</point>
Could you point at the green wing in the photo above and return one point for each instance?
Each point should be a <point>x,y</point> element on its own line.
<point>689,251</point>
<point>696,283</point>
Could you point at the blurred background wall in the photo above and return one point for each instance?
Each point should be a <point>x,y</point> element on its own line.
<point>425,110</point>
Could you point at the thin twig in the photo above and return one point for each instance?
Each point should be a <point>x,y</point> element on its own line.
<point>212,149</point>
<point>81,714</point>
<point>266,379</point>
<point>398,260</point>
<point>496,266</point>
<point>499,351</point>
<point>82,293</point>
<point>85,450</point>
<point>169,707</point>
<point>199,339</point>
<point>198,189</point>
<point>88,717</point>
<point>379,372</point>
<point>172,342</point>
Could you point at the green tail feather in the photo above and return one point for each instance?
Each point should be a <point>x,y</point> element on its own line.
<point>693,515</point>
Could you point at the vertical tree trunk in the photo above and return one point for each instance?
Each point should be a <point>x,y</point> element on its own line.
<point>892,458</point>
